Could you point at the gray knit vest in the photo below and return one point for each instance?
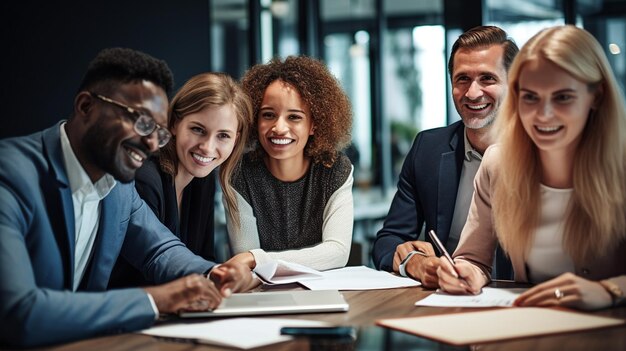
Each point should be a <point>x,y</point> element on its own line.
<point>289,215</point>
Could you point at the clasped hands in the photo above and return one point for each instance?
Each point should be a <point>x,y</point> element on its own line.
<point>196,292</point>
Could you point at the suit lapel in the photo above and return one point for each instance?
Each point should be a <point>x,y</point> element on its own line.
<point>106,248</point>
<point>59,202</point>
<point>449,174</point>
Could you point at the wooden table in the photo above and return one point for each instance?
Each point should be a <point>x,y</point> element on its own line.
<point>365,308</point>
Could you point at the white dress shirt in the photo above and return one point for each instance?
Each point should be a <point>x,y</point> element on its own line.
<point>471,162</point>
<point>86,198</point>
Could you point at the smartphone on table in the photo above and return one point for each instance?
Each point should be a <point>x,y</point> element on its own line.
<point>321,332</point>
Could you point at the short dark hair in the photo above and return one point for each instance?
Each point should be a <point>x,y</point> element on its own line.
<point>126,65</point>
<point>482,36</point>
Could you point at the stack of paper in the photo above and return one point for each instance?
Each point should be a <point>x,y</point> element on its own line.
<point>348,278</point>
<point>283,272</point>
<point>358,278</point>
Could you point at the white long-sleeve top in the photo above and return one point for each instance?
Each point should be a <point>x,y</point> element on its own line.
<point>308,221</point>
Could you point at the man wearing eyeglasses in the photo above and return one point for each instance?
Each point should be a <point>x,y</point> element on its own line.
<point>68,209</point>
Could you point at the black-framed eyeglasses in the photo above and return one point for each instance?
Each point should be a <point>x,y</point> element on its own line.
<point>144,125</point>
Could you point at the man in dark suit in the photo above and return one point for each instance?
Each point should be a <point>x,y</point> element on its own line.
<point>68,209</point>
<point>436,182</point>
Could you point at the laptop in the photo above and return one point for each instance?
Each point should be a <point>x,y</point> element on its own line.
<point>276,302</point>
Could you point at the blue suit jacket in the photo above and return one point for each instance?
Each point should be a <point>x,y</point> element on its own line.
<point>37,237</point>
<point>427,189</point>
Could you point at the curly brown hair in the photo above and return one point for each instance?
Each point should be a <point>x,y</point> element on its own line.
<point>330,107</point>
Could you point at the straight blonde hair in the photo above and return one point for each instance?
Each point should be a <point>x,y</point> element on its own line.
<point>596,218</point>
<point>211,89</point>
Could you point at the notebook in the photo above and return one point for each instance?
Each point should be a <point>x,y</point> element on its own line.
<point>501,324</point>
<point>276,302</point>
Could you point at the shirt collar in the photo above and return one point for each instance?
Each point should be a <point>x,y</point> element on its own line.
<point>470,152</point>
<point>78,178</point>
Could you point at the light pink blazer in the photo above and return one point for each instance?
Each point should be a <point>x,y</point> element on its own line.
<point>478,238</point>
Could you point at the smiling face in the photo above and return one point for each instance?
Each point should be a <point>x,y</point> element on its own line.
<point>478,84</point>
<point>553,106</point>
<point>284,122</point>
<point>205,139</point>
<point>110,143</point>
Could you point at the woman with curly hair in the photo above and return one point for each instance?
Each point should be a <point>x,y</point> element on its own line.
<point>295,186</point>
<point>553,190</point>
<point>209,120</point>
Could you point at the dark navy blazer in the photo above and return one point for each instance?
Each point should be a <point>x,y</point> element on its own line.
<point>426,195</point>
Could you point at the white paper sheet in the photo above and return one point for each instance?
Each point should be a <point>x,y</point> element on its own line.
<point>242,333</point>
<point>358,278</point>
<point>283,272</point>
<point>489,297</point>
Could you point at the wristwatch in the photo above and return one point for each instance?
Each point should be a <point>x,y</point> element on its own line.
<point>402,268</point>
<point>617,295</point>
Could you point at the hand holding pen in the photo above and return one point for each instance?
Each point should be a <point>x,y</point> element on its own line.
<point>458,277</point>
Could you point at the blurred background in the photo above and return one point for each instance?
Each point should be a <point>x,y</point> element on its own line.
<point>389,55</point>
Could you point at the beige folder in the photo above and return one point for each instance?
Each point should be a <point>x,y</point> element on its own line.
<point>488,326</point>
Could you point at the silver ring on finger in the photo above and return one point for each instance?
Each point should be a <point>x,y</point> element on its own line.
<point>558,294</point>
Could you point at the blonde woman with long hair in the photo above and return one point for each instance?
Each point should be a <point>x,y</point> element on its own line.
<point>552,191</point>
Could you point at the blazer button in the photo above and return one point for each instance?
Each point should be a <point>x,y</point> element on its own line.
<point>585,271</point>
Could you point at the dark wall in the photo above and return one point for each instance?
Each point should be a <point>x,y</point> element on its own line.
<point>47,46</point>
